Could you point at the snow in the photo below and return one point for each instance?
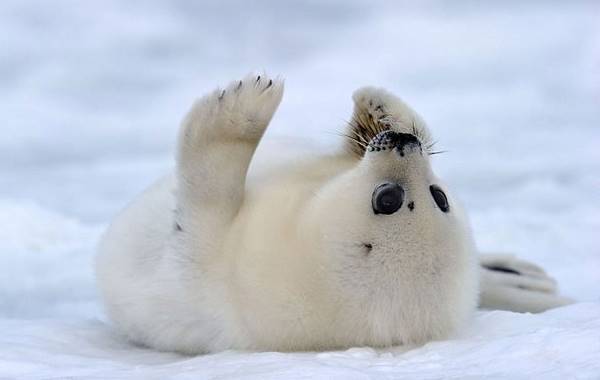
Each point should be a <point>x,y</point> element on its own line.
<point>90,99</point>
<point>562,343</point>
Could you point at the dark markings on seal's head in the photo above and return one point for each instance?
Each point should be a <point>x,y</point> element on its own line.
<point>411,205</point>
<point>178,227</point>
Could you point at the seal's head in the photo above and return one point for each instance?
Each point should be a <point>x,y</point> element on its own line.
<point>391,232</point>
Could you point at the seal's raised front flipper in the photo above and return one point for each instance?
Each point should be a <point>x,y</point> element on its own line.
<point>216,143</point>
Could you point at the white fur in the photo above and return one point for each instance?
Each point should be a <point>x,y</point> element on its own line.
<point>530,291</point>
<point>280,263</point>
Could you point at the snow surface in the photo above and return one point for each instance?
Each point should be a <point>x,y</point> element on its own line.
<point>90,99</point>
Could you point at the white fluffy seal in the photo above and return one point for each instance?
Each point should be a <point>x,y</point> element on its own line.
<point>362,247</point>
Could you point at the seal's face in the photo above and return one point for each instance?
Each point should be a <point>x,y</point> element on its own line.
<point>395,238</point>
<point>388,197</point>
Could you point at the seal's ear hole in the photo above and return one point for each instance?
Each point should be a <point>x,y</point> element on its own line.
<point>387,198</point>
<point>439,197</point>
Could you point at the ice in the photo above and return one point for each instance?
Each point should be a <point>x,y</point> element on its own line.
<point>91,95</point>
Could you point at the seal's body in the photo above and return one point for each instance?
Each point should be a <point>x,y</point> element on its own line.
<point>362,247</point>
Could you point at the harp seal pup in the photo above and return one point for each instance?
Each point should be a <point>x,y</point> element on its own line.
<point>360,247</point>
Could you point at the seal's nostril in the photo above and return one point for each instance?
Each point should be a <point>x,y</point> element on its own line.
<point>387,198</point>
<point>406,140</point>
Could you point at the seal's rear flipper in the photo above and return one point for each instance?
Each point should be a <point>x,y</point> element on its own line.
<point>508,283</point>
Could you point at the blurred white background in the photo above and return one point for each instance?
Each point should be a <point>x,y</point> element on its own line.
<point>91,95</point>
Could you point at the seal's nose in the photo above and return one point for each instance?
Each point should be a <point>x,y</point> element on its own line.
<point>407,142</point>
<point>404,139</point>
<point>394,140</point>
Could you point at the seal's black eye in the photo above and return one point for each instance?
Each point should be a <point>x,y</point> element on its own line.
<point>439,197</point>
<point>387,198</point>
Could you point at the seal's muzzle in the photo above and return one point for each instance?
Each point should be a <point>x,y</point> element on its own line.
<point>394,140</point>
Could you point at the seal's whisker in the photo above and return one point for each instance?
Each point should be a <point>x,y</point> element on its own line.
<point>358,139</point>
<point>438,152</point>
<point>431,144</point>
<point>361,137</point>
<point>359,146</point>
